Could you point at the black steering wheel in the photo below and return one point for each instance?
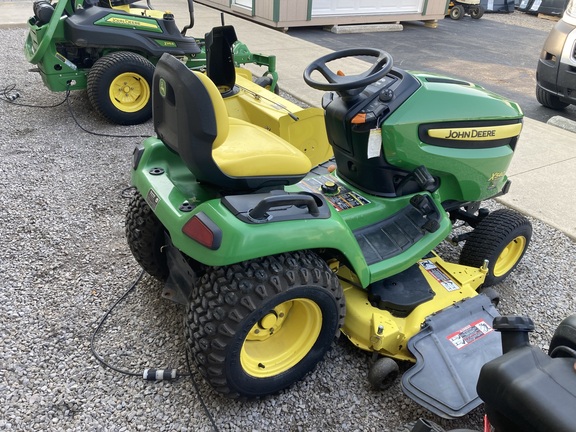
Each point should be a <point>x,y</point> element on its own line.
<point>349,85</point>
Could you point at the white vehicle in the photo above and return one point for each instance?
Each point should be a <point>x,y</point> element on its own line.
<point>556,72</point>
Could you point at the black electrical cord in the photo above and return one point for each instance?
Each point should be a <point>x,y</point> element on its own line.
<point>96,133</point>
<point>101,323</point>
<point>10,94</point>
<point>149,374</point>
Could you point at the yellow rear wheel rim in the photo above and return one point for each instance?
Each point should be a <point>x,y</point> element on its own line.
<point>509,256</point>
<point>129,92</point>
<point>281,338</point>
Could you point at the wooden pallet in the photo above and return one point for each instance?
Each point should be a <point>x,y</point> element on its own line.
<point>549,17</point>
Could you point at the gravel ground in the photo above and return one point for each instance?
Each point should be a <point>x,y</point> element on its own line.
<point>65,261</point>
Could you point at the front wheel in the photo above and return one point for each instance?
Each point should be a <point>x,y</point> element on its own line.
<point>119,87</point>
<point>502,237</point>
<point>257,327</point>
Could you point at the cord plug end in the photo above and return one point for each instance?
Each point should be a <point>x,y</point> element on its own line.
<point>160,374</point>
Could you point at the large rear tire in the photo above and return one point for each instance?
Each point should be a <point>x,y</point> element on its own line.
<point>502,237</point>
<point>145,236</point>
<point>119,87</point>
<point>257,327</point>
<point>549,100</point>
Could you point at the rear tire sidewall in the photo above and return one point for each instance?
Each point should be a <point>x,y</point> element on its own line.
<point>146,236</point>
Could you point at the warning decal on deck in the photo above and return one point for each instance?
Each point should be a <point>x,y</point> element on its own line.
<point>441,277</point>
<point>469,334</point>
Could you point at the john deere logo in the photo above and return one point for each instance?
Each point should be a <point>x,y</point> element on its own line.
<point>130,22</point>
<point>472,133</point>
<point>477,133</point>
<point>162,87</point>
<point>121,21</point>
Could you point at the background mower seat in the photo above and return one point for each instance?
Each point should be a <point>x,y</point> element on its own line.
<point>190,117</point>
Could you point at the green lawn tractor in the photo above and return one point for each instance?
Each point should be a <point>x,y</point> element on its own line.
<point>110,47</point>
<point>275,254</point>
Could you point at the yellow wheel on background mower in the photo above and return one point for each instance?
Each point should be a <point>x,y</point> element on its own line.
<point>129,92</point>
<point>257,327</point>
<point>502,238</point>
<point>119,86</point>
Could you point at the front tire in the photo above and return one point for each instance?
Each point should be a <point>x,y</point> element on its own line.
<point>119,87</point>
<point>257,327</point>
<point>502,238</point>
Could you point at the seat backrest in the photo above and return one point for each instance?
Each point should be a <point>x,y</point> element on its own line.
<point>220,58</point>
<point>190,117</point>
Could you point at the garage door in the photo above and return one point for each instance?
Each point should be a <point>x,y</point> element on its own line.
<point>365,7</point>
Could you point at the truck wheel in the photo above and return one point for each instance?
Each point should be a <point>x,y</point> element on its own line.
<point>383,373</point>
<point>145,236</point>
<point>266,82</point>
<point>119,87</point>
<point>502,237</point>
<point>457,12</point>
<point>549,100</point>
<point>476,12</point>
<point>259,326</point>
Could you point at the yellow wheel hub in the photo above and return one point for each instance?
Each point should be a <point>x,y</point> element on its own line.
<point>129,92</point>
<point>509,256</point>
<point>281,338</point>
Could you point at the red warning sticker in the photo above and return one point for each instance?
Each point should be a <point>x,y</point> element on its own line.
<point>469,334</point>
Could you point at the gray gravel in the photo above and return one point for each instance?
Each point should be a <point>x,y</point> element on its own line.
<point>65,261</point>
